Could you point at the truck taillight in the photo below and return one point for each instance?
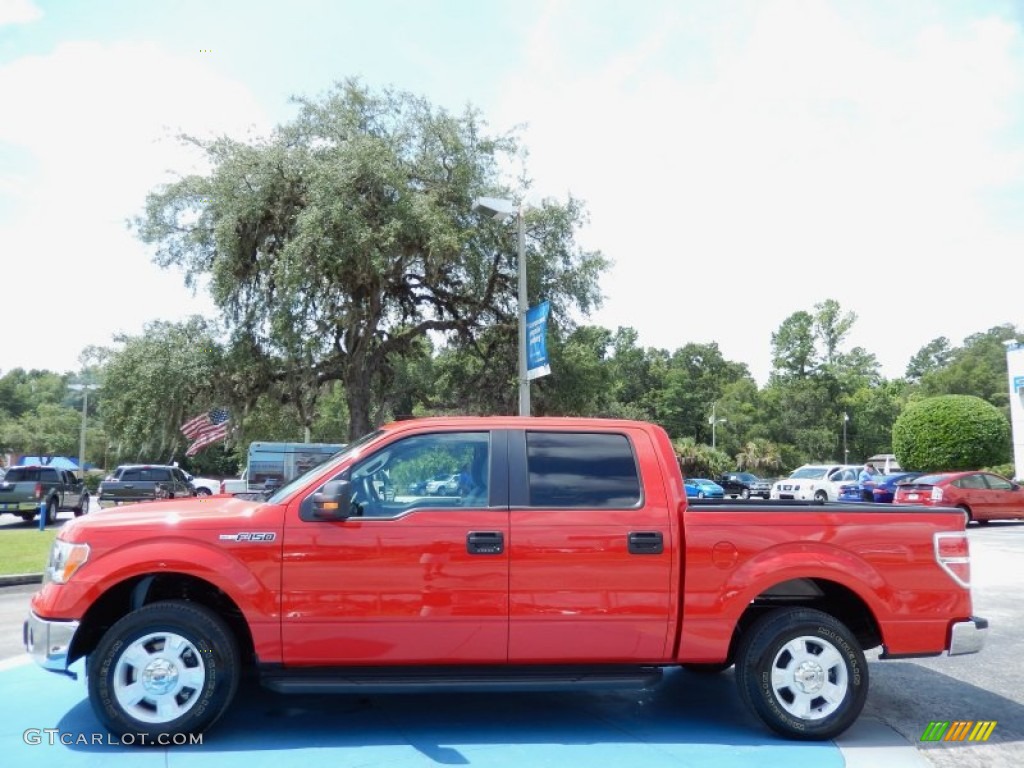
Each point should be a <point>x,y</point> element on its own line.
<point>936,494</point>
<point>39,490</point>
<point>953,554</point>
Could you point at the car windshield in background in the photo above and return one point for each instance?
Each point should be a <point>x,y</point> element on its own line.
<point>808,473</point>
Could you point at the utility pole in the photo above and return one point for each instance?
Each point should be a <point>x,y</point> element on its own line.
<point>846,451</point>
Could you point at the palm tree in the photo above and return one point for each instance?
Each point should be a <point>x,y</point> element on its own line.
<point>759,455</point>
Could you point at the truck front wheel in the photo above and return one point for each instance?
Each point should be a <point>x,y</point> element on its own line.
<point>168,668</point>
<point>803,673</point>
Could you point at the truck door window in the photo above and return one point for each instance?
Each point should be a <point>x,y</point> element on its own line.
<point>49,476</point>
<point>440,470</point>
<point>582,470</point>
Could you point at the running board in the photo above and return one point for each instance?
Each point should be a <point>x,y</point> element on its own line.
<point>454,678</point>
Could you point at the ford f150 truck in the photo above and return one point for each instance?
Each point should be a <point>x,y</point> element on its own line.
<point>143,482</point>
<point>25,489</point>
<point>575,561</point>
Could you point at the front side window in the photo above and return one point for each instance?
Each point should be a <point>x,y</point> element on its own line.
<point>439,470</point>
<point>570,470</point>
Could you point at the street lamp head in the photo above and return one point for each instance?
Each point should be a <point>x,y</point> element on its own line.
<point>497,208</point>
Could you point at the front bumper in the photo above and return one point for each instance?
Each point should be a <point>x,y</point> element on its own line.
<point>48,642</point>
<point>968,636</point>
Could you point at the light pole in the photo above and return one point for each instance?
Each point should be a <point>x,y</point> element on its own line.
<point>84,389</point>
<point>846,451</point>
<point>714,423</point>
<point>501,209</point>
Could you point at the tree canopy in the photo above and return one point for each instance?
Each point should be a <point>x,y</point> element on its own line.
<point>336,245</point>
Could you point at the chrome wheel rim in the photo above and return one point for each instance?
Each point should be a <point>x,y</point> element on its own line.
<point>809,678</point>
<point>158,677</point>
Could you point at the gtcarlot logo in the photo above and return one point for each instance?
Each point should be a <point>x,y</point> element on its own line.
<point>53,736</point>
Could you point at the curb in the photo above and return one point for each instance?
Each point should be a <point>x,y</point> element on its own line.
<point>18,579</point>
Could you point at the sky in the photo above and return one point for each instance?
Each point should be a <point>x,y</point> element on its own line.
<point>740,161</point>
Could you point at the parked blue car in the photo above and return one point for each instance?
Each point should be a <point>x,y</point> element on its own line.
<point>699,488</point>
<point>880,491</point>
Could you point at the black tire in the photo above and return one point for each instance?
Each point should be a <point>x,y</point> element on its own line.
<point>745,493</point>
<point>820,496</point>
<point>209,655</point>
<point>83,505</point>
<point>51,512</point>
<point>707,669</point>
<point>203,492</point>
<point>28,517</point>
<point>763,649</point>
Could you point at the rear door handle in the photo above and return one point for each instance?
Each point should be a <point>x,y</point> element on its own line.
<point>485,543</point>
<point>646,543</point>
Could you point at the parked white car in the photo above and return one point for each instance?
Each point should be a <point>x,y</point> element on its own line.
<point>205,486</point>
<point>815,482</point>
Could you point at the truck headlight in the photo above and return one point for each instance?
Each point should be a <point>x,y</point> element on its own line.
<point>65,559</point>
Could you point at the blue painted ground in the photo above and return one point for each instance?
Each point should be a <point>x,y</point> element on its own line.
<point>686,721</point>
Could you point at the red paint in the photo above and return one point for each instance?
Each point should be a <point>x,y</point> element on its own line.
<point>566,589</point>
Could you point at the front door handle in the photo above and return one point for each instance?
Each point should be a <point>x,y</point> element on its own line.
<point>485,543</point>
<point>646,543</point>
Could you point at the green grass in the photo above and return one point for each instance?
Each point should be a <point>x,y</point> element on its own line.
<point>24,550</point>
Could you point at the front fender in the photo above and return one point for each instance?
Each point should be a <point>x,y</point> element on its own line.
<point>252,582</point>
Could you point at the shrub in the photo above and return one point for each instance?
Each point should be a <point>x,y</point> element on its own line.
<point>951,432</point>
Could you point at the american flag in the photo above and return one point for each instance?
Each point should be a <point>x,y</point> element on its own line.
<point>206,428</point>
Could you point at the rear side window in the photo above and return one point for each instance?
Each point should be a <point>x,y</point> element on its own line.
<point>48,476</point>
<point>577,469</point>
<point>19,475</point>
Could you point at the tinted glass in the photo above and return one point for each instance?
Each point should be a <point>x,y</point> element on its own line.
<point>574,469</point>
<point>19,475</point>
<point>49,476</point>
<point>973,482</point>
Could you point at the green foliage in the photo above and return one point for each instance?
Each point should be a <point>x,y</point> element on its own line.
<point>46,430</point>
<point>337,244</point>
<point>759,456</point>
<point>700,460</point>
<point>155,382</point>
<point>950,432</point>
<point>1007,470</point>
<point>978,367</point>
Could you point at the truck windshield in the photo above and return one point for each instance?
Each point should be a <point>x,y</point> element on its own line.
<point>808,473</point>
<point>285,491</point>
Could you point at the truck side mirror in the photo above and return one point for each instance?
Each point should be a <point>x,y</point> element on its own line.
<point>334,502</point>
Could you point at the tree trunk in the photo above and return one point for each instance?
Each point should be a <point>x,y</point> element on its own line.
<point>358,397</point>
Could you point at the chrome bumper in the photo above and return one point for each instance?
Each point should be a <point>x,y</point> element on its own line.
<point>48,642</point>
<point>968,636</point>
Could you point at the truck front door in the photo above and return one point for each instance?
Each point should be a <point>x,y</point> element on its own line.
<point>409,578</point>
<point>591,571</point>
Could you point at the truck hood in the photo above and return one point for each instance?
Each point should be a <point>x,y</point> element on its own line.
<point>182,514</point>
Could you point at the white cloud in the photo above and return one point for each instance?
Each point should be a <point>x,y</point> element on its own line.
<point>18,12</point>
<point>99,122</point>
<point>805,159</point>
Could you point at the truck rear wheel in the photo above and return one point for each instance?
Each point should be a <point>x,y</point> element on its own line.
<point>51,512</point>
<point>168,668</point>
<point>802,672</point>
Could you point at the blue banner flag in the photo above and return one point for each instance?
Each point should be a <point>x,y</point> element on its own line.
<point>536,341</point>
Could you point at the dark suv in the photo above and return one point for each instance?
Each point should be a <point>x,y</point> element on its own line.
<point>745,485</point>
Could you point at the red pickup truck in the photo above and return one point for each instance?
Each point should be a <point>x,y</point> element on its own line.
<point>570,558</point>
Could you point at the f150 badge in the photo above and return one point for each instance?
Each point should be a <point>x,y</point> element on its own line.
<point>268,536</point>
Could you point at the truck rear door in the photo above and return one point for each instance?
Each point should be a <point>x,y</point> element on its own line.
<point>592,549</point>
